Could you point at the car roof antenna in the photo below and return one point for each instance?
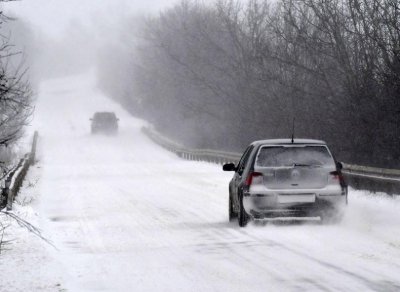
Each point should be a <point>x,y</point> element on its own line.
<point>293,130</point>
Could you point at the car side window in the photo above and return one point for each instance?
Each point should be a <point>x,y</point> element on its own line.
<point>243,160</point>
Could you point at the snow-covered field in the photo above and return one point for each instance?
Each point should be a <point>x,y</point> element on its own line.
<point>126,215</point>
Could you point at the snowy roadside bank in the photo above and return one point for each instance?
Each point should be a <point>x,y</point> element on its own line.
<point>26,263</point>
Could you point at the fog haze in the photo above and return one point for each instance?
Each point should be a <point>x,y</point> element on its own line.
<point>206,55</point>
<point>62,37</point>
<point>53,16</point>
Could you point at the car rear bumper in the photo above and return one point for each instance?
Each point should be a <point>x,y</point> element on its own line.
<point>293,203</point>
<point>106,130</point>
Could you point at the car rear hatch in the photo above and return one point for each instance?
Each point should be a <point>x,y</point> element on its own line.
<point>292,167</point>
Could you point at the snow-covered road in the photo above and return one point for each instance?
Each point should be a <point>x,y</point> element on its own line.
<point>126,215</point>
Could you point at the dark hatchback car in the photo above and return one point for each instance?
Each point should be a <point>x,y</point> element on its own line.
<point>285,178</point>
<point>104,122</point>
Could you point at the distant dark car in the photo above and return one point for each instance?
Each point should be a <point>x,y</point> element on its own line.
<point>105,123</point>
<point>284,178</point>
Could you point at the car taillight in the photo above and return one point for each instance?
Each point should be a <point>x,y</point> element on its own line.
<point>254,178</point>
<point>337,176</point>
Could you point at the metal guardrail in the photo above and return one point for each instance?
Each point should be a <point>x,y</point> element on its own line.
<point>357,176</point>
<point>372,172</point>
<point>16,177</point>
<point>208,155</point>
<point>372,179</point>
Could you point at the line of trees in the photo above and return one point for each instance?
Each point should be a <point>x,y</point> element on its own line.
<point>224,74</point>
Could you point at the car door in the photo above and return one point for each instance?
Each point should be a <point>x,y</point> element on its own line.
<point>237,178</point>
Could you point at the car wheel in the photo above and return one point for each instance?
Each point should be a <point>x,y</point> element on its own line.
<point>243,218</point>
<point>232,214</point>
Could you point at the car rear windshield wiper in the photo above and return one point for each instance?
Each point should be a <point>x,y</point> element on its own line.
<point>306,165</point>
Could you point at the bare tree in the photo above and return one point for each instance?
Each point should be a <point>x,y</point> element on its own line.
<point>15,94</point>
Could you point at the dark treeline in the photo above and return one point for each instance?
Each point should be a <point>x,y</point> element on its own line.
<point>222,75</point>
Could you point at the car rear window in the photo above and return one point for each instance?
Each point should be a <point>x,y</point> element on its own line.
<point>105,116</point>
<point>286,156</point>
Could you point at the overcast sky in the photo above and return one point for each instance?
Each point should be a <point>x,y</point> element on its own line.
<point>53,16</point>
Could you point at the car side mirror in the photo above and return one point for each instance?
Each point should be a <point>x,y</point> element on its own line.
<point>339,165</point>
<point>229,167</point>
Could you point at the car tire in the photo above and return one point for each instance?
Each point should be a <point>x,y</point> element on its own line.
<point>243,218</point>
<point>232,214</point>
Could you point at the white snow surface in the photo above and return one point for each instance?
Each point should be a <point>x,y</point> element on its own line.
<point>126,215</point>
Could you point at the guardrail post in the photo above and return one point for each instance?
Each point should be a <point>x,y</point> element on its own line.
<point>7,194</point>
<point>32,156</point>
